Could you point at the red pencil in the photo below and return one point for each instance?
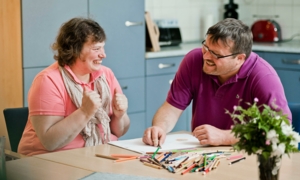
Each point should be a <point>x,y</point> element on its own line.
<point>188,169</point>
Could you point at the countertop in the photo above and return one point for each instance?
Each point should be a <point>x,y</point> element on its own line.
<point>184,48</point>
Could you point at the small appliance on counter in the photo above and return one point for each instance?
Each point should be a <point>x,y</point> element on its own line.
<point>266,31</point>
<point>169,32</point>
<point>230,10</point>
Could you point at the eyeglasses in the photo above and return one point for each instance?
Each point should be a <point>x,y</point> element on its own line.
<point>206,49</point>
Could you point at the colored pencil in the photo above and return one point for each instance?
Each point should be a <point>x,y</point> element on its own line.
<point>106,157</point>
<point>235,157</point>
<point>152,165</point>
<point>124,155</point>
<point>124,159</point>
<point>238,160</point>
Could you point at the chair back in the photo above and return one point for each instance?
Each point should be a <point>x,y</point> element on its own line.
<point>2,159</point>
<point>295,109</point>
<point>15,119</point>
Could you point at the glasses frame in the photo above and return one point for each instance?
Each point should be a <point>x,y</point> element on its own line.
<point>214,54</point>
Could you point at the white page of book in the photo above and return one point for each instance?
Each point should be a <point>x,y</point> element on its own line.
<point>172,142</point>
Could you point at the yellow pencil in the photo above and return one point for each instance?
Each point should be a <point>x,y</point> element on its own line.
<point>152,165</point>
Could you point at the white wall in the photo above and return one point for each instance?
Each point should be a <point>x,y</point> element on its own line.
<point>191,14</point>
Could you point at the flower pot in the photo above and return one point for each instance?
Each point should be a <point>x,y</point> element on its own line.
<point>268,168</point>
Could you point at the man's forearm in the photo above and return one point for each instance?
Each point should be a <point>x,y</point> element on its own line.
<point>166,117</point>
<point>229,138</point>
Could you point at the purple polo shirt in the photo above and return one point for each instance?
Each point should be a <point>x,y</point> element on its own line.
<point>256,79</point>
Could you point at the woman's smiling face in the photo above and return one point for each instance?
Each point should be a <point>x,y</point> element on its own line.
<point>91,56</point>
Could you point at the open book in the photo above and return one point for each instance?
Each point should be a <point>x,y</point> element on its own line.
<point>176,141</point>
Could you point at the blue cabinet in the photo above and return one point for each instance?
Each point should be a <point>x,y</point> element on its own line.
<point>40,23</point>
<point>124,25</point>
<point>159,76</point>
<point>287,65</point>
<point>137,126</point>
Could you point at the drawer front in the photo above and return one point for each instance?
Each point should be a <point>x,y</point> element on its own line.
<point>134,89</point>
<point>283,60</point>
<point>166,65</point>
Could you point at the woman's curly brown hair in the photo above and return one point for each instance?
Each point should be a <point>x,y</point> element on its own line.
<point>71,37</point>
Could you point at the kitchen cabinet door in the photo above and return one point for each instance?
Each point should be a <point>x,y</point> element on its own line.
<point>157,88</point>
<point>137,126</point>
<point>29,74</point>
<point>41,21</point>
<point>123,23</point>
<point>291,83</point>
<point>134,89</point>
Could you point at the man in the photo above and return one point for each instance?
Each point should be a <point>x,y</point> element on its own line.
<point>218,76</point>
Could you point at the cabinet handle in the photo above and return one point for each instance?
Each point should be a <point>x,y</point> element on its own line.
<point>129,23</point>
<point>124,87</point>
<point>162,66</point>
<point>291,61</point>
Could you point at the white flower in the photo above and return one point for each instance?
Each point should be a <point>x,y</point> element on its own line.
<point>254,120</point>
<point>286,129</point>
<point>279,150</point>
<point>296,136</point>
<point>294,143</point>
<point>277,165</point>
<point>271,134</point>
<point>277,117</point>
<point>275,170</point>
<point>296,139</point>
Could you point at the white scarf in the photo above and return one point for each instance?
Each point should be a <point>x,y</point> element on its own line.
<point>91,133</point>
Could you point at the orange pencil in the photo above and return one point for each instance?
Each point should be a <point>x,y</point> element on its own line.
<point>160,157</point>
<point>106,157</point>
<point>124,155</point>
<point>124,159</point>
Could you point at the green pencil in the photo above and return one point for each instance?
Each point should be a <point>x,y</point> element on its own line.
<point>153,155</point>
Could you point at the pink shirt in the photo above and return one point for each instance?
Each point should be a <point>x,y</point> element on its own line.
<point>48,96</point>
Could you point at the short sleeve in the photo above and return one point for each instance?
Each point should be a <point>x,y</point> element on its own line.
<point>46,96</point>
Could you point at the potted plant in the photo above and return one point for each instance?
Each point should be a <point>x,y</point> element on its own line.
<point>265,132</point>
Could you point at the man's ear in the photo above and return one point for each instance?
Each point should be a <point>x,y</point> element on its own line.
<point>241,57</point>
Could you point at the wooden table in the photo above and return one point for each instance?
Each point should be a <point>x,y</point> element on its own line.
<point>85,159</point>
<point>32,168</point>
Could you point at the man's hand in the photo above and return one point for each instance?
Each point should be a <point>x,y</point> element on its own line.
<point>210,135</point>
<point>119,104</point>
<point>154,136</point>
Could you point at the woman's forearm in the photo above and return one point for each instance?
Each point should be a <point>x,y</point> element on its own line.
<point>119,125</point>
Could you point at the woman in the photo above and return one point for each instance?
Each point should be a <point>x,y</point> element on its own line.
<point>76,101</point>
